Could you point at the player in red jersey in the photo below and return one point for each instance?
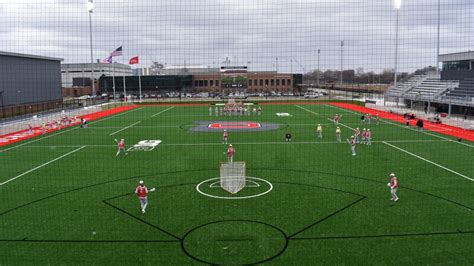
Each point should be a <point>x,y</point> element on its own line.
<point>368,137</point>
<point>364,136</point>
<point>230,153</point>
<point>121,147</point>
<point>393,187</point>
<point>336,119</point>
<point>352,142</point>
<point>142,192</point>
<point>225,137</point>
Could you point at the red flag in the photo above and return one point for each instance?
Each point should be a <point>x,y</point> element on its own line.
<point>134,60</point>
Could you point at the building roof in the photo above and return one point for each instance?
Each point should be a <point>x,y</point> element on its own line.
<point>30,56</point>
<point>469,55</point>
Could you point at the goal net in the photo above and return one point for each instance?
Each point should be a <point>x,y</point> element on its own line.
<point>232,176</point>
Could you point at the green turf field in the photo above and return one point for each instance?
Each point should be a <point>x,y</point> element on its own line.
<point>66,198</point>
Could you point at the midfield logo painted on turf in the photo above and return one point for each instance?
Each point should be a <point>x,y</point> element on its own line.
<point>283,114</point>
<point>145,145</point>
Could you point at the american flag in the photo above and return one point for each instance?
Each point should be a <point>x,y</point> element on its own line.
<point>107,60</point>
<point>116,52</point>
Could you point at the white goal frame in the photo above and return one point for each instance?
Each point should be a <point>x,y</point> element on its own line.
<point>232,176</point>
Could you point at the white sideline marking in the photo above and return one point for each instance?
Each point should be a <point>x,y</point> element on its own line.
<point>113,127</point>
<point>163,111</point>
<point>120,130</point>
<point>38,167</point>
<point>426,160</point>
<point>307,110</point>
<point>66,130</point>
<point>402,126</point>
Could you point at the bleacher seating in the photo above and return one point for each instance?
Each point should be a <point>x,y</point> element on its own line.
<point>405,85</point>
<point>431,87</point>
<point>465,89</point>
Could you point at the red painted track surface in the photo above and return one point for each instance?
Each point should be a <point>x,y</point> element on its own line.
<point>37,131</point>
<point>439,128</point>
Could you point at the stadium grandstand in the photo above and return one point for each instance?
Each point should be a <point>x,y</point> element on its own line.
<point>452,90</point>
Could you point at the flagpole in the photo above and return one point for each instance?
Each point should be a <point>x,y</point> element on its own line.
<point>140,84</point>
<point>113,79</point>
<point>124,87</point>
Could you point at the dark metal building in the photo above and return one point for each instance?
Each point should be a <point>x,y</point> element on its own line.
<point>29,79</point>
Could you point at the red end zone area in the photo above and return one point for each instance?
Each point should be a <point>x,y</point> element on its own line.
<point>439,128</point>
<point>234,125</point>
<point>37,131</point>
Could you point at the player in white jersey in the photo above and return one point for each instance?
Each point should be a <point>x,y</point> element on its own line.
<point>393,184</point>
<point>338,134</point>
<point>225,137</point>
<point>352,142</point>
<point>319,131</point>
<point>357,135</point>
<point>210,110</point>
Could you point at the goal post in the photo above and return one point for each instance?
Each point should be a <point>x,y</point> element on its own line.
<point>232,176</point>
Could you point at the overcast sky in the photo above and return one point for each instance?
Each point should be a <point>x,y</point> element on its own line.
<point>206,32</point>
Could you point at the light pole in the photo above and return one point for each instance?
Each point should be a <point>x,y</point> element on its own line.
<point>439,24</point>
<point>317,73</point>
<point>342,45</point>
<point>90,9</point>
<point>398,4</point>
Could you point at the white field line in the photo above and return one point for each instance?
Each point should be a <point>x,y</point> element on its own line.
<point>426,160</point>
<point>112,127</point>
<point>65,130</point>
<point>45,137</point>
<point>163,111</point>
<point>402,126</point>
<point>120,130</point>
<point>307,110</point>
<point>343,125</point>
<point>236,143</point>
<point>38,167</point>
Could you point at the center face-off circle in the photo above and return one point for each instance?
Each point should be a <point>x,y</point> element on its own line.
<point>235,242</point>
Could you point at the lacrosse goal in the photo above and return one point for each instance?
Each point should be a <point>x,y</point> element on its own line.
<point>232,176</point>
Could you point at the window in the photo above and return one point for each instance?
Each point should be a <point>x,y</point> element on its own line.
<point>250,82</point>
<point>278,82</point>
<point>217,83</point>
<point>272,82</point>
<point>205,83</point>
<point>201,83</point>
<point>196,83</point>
<point>212,82</point>
<point>261,82</point>
<point>266,82</point>
<point>283,82</point>
<point>289,82</point>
